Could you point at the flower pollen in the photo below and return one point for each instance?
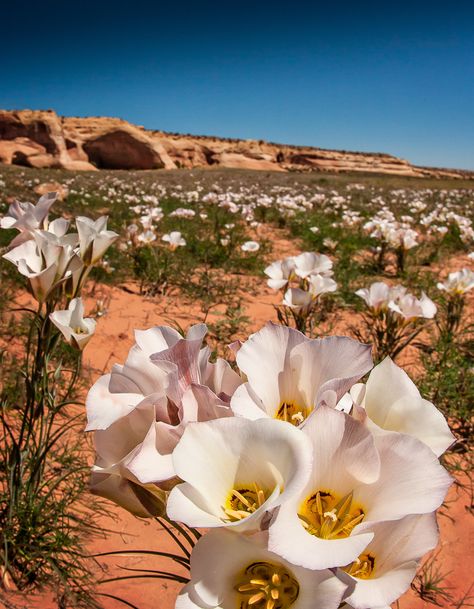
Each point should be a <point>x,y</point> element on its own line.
<point>326,516</point>
<point>362,567</point>
<point>244,501</point>
<point>292,413</point>
<point>264,585</point>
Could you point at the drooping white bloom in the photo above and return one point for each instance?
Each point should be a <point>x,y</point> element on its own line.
<point>289,375</point>
<point>166,382</point>
<point>387,566</point>
<point>311,263</point>
<point>234,470</point>
<point>280,272</point>
<point>410,307</point>
<point>458,282</point>
<point>175,239</point>
<point>94,238</point>
<point>250,246</point>
<point>27,217</point>
<point>71,323</point>
<point>229,571</point>
<point>392,402</point>
<point>357,480</point>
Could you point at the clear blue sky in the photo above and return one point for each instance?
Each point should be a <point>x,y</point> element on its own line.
<point>392,76</point>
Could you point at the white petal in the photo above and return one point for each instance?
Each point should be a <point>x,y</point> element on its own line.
<point>104,407</point>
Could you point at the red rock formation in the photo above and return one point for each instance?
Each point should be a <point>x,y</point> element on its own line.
<point>42,139</point>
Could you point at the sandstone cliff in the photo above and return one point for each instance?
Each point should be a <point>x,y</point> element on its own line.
<point>36,138</point>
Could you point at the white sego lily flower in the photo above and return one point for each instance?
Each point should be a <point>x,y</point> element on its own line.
<point>141,409</point>
<point>376,296</point>
<point>280,273</point>
<point>94,238</point>
<point>174,239</point>
<point>235,470</point>
<point>410,307</point>
<point>27,217</point>
<point>45,261</point>
<point>391,401</point>
<point>357,480</point>
<point>311,263</point>
<point>76,330</point>
<point>229,571</point>
<point>388,565</point>
<point>458,282</point>
<point>289,375</point>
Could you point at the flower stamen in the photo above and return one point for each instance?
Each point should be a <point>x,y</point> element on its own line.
<point>324,516</point>
<point>266,586</point>
<point>244,501</point>
<point>362,567</point>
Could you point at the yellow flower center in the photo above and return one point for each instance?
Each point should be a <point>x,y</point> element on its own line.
<point>292,413</point>
<point>245,500</point>
<point>362,567</point>
<point>264,585</point>
<point>327,516</point>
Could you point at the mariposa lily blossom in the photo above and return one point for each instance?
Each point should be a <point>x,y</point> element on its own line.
<point>229,570</point>
<point>26,217</point>
<point>391,401</point>
<point>357,480</point>
<point>235,470</point>
<point>46,261</point>
<point>280,272</point>
<point>174,239</point>
<point>388,565</point>
<point>289,375</point>
<point>94,238</point>
<point>71,323</point>
<point>312,263</point>
<point>140,411</point>
<point>458,282</point>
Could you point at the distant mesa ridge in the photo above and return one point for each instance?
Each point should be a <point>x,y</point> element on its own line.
<point>41,138</point>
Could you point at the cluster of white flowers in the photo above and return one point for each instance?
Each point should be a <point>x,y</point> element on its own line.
<point>397,234</point>
<point>57,262</point>
<point>317,490</point>
<point>312,273</point>
<point>380,296</point>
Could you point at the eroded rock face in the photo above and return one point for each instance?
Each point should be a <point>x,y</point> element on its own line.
<point>120,150</point>
<point>36,138</point>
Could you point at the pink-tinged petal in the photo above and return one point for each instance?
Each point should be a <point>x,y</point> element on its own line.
<point>199,403</point>
<point>119,439</point>
<point>185,356</point>
<point>104,407</point>
<point>152,461</point>
<point>120,491</point>
<point>156,339</point>
<point>221,379</point>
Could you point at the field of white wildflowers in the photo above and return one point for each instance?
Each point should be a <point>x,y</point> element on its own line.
<point>263,382</point>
